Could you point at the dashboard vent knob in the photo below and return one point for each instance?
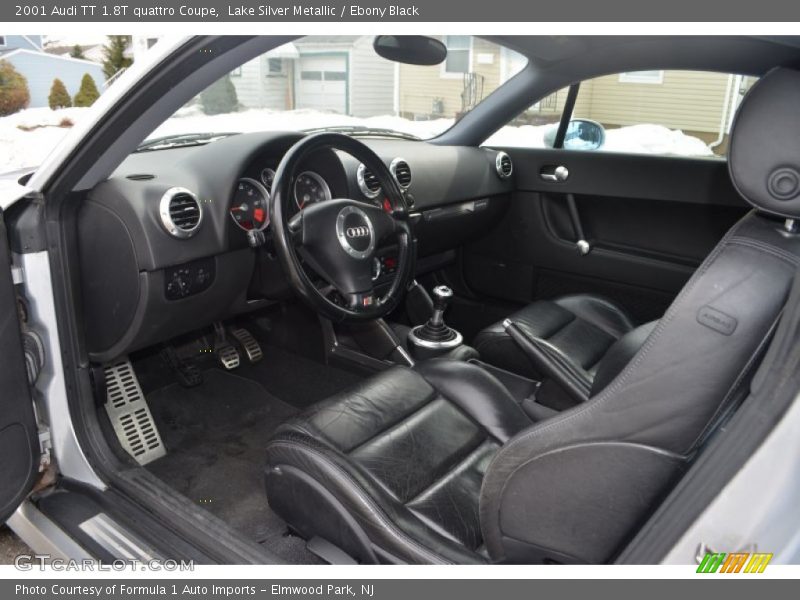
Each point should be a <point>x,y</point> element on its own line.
<point>504,165</point>
<point>402,172</point>
<point>181,213</point>
<point>367,182</point>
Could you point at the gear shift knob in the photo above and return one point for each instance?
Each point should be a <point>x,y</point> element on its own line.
<point>441,297</point>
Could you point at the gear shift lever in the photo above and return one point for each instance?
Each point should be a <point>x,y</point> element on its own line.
<point>441,299</point>
<point>435,337</point>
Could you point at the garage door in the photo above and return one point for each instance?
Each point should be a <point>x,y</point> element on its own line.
<point>323,83</point>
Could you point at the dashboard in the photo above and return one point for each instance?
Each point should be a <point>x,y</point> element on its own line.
<point>163,243</point>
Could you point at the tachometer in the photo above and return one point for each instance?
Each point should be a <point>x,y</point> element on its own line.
<point>249,205</point>
<point>309,188</point>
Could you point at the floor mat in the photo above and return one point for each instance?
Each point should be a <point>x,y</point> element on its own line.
<point>296,380</point>
<point>215,436</point>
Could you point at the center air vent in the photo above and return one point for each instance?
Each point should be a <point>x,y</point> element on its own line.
<point>401,172</point>
<point>180,212</point>
<point>504,165</point>
<point>367,182</point>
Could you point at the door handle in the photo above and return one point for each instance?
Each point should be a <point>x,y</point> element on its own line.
<point>557,174</point>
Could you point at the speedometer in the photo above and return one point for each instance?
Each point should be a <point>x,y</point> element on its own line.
<point>249,205</point>
<point>309,188</point>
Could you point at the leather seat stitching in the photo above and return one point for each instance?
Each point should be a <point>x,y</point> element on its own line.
<point>292,445</point>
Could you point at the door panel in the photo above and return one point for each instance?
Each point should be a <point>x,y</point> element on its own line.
<point>650,220</point>
<point>19,447</point>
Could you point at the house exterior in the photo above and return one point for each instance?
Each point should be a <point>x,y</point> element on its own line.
<point>340,73</point>
<point>472,70</point>
<point>26,54</point>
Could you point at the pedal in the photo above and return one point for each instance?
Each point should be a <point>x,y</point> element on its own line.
<point>251,347</point>
<point>228,356</point>
<point>188,373</point>
<point>129,414</point>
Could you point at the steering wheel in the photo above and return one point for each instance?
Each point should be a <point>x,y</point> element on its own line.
<point>338,238</point>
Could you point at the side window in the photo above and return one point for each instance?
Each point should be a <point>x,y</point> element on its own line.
<point>669,113</point>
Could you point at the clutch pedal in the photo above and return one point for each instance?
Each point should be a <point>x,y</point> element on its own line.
<point>251,347</point>
<point>129,414</point>
<point>188,373</point>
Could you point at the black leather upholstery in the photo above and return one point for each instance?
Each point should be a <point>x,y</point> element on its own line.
<point>404,454</point>
<point>603,465</point>
<point>563,339</point>
<point>390,470</point>
<point>764,154</point>
<point>619,355</point>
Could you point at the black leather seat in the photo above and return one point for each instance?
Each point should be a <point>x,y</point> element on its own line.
<point>563,339</point>
<point>439,464</point>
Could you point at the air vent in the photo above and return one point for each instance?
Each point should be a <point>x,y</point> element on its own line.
<point>367,182</point>
<point>401,172</point>
<point>180,212</point>
<point>141,176</point>
<point>504,165</point>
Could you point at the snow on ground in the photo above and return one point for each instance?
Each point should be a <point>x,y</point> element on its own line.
<point>29,135</point>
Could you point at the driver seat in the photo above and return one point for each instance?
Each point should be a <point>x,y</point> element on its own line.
<point>439,464</point>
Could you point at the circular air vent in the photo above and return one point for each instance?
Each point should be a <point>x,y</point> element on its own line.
<point>504,165</point>
<point>367,182</point>
<point>401,172</point>
<point>180,212</point>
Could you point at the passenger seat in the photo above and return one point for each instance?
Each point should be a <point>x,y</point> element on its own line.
<point>563,340</point>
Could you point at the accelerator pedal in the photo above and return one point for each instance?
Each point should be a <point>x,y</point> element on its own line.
<point>129,414</point>
<point>251,347</point>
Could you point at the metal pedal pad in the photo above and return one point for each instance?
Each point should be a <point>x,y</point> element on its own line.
<point>129,414</point>
<point>251,347</point>
<point>228,356</point>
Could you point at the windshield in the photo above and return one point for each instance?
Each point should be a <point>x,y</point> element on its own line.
<point>323,82</point>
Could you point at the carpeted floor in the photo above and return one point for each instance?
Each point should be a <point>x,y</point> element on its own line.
<point>215,436</point>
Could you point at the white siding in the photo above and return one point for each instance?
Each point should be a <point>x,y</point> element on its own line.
<point>371,81</point>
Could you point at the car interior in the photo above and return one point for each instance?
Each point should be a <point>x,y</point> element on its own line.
<point>344,347</point>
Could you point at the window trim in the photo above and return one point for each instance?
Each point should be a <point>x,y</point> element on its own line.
<point>444,73</point>
<point>637,77</point>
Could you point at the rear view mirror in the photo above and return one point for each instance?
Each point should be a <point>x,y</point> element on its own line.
<point>410,49</point>
<point>582,134</point>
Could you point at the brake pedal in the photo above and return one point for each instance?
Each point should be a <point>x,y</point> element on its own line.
<point>251,347</point>
<point>228,356</point>
<point>129,414</point>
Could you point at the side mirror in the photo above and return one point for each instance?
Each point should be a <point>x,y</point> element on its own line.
<point>582,134</point>
<point>410,49</point>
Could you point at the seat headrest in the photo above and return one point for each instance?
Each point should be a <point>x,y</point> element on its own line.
<point>764,154</point>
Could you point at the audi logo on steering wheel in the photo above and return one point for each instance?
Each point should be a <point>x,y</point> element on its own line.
<point>357,232</point>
